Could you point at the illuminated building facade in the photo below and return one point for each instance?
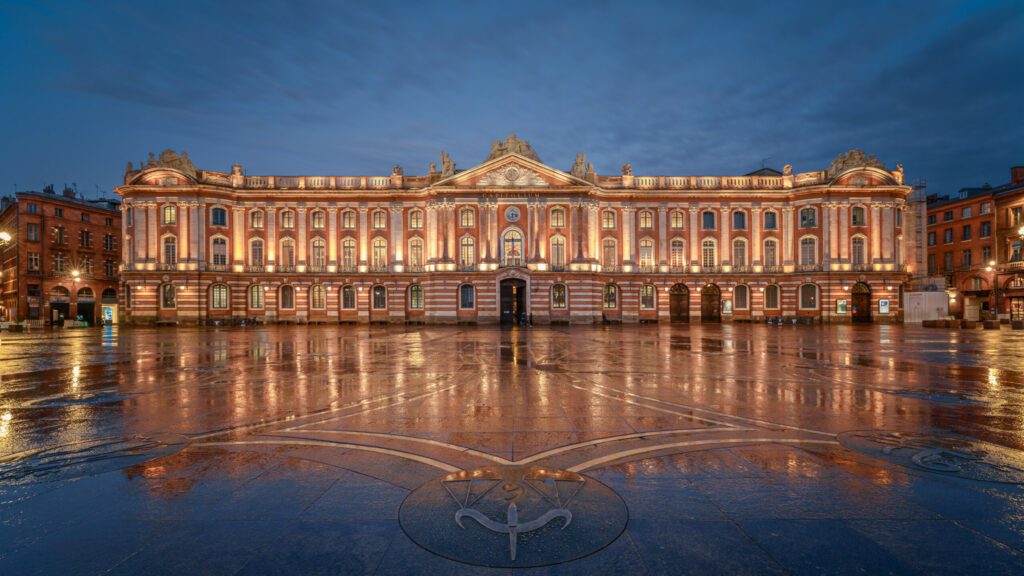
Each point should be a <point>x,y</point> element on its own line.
<point>514,240</point>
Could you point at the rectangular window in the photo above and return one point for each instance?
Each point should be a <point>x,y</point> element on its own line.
<point>33,232</point>
<point>966,259</point>
<point>108,222</point>
<point>33,208</point>
<point>965,232</point>
<point>932,268</point>
<point>84,217</point>
<point>986,229</point>
<point>707,220</point>
<point>931,238</point>
<point>947,236</point>
<point>986,208</point>
<point>771,221</point>
<point>108,242</point>
<point>558,297</point>
<point>947,262</point>
<point>947,215</point>
<point>986,253</point>
<point>109,268</point>
<point>931,219</point>
<point>647,297</point>
<point>58,212</point>
<point>965,212</point>
<point>33,261</point>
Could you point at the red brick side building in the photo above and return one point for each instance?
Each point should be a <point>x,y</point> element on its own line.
<point>63,257</point>
<point>513,239</point>
<point>961,248</point>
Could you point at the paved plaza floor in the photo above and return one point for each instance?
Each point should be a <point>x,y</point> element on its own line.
<point>649,449</point>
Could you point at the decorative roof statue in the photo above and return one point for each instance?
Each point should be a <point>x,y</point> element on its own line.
<point>512,145</point>
<point>853,159</point>
<point>787,170</point>
<point>627,169</point>
<point>898,174</point>
<point>433,168</point>
<point>590,175</point>
<point>447,166</point>
<point>579,166</point>
<point>397,170</point>
<point>170,159</point>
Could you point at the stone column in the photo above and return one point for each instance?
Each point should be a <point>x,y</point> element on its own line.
<point>628,235</point>
<point>271,237</point>
<point>397,236</point>
<point>726,242</point>
<point>787,236</point>
<point>140,241</point>
<point>888,232</point>
<point>876,233</point>
<point>332,239</point>
<point>450,252</point>
<point>430,213</point>
<point>301,240</point>
<point>184,241</point>
<point>755,236</point>
<point>662,236</point>
<point>826,234</point>
<point>196,233</point>
<point>495,233</point>
<point>694,238</point>
<point>201,230</point>
<point>542,232</point>
<point>364,235</point>
<point>844,234</point>
<point>594,232</point>
<point>835,227</point>
<point>238,237</point>
<point>152,233</point>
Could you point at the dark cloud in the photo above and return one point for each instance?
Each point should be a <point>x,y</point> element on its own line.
<point>673,87</point>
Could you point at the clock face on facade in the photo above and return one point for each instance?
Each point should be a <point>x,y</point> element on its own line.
<point>512,214</point>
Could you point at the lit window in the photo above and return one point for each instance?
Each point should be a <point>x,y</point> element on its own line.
<point>256,297</point>
<point>858,216</point>
<point>168,296</point>
<point>611,296</point>
<point>466,217</point>
<point>170,215</point>
<point>467,252</point>
<point>287,297</point>
<point>380,298</point>
<point>348,219</point>
<point>677,220</point>
<point>808,297</point>
<point>647,292</point>
<point>646,220</point>
<point>318,219</point>
<point>348,298</point>
<point>608,220</point>
<point>415,297</point>
<point>415,220</point>
<point>708,256</point>
<point>317,297</point>
<point>219,297</point>
<point>380,220</point>
<point>256,219</point>
<point>557,217</point>
<point>288,220</point>
<point>558,297</point>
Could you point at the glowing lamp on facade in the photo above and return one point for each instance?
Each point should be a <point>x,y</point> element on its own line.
<point>1020,231</point>
<point>991,262</point>
<point>5,237</point>
<point>988,268</point>
<point>75,274</point>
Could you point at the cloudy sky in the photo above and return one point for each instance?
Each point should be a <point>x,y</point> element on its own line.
<point>303,87</point>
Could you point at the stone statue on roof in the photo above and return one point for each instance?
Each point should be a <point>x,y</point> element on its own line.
<point>447,166</point>
<point>579,166</point>
<point>512,145</point>
<point>627,169</point>
<point>853,159</point>
<point>170,159</point>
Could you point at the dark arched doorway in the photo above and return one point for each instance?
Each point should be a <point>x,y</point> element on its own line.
<point>60,305</point>
<point>861,302</point>
<point>679,303</point>
<point>711,304</point>
<point>513,301</point>
<point>86,307</point>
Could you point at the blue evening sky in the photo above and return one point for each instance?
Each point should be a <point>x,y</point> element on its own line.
<point>304,87</point>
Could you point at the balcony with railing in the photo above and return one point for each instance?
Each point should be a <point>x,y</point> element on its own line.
<point>317,182</point>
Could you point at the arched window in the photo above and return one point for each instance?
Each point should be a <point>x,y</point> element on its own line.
<point>318,220</point>
<point>646,220</point>
<point>677,220</point>
<point>559,297</point>
<point>256,297</point>
<point>608,220</point>
<point>218,217</point>
<point>317,297</point>
<point>467,252</point>
<point>287,258</point>
<point>739,220</point>
<point>771,220</point>
<point>771,253</point>
<point>741,297</point>
<point>170,213</point>
<point>808,217</point>
<point>466,218</point>
<point>708,254</point>
<point>256,252</point>
<point>512,249</point>
<point>288,219</point>
<point>771,297</point>
<point>557,217</point>
<point>348,219</point>
<point>348,254</point>
<point>808,297</point>
<point>256,219</point>
<point>611,297</point>
<point>170,250</point>
<point>416,253</point>
<point>678,253</point>
<point>415,297</point>
<point>609,254</point>
<point>380,254</point>
<point>708,220</point>
<point>318,253</point>
<point>219,251</point>
<point>219,297</point>
<point>808,251</point>
<point>558,252</point>
<point>647,297</point>
<point>647,253</point>
<point>466,297</point>
<point>858,216</point>
<point>380,220</point>
<point>348,297</point>
<point>739,252</point>
<point>287,297</point>
<point>168,296</point>
<point>380,297</point>
<point>416,220</point>
<point>858,253</point>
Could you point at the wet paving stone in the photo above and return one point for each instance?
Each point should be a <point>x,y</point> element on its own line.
<point>296,450</point>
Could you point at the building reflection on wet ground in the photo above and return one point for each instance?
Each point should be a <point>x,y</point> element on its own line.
<point>734,448</point>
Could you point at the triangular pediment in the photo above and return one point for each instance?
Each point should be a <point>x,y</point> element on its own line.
<point>511,171</point>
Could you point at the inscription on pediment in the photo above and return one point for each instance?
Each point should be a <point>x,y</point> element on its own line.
<point>512,175</point>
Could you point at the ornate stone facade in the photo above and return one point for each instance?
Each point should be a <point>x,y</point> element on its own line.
<point>516,240</point>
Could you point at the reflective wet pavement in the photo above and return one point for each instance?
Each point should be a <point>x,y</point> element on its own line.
<point>307,450</point>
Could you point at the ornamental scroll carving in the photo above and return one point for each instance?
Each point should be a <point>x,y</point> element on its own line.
<point>512,175</point>
<point>853,159</point>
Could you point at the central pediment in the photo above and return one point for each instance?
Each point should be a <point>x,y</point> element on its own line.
<point>511,171</point>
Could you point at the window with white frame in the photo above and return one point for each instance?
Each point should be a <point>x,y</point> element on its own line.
<point>348,219</point>
<point>608,220</point>
<point>739,252</point>
<point>808,251</point>
<point>677,220</point>
<point>646,220</point>
<point>256,297</point>
<point>708,255</point>
<point>557,218</point>
<point>416,220</point>
<point>611,296</point>
<point>380,220</point>
<point>219,297</point>
<point>415,297</point>
<point>559,299</point>
<point>466,297</point>
<point>771,297</point>
<point>558,251</point>
<point>647,297</point>
<point>318,220</point>
<point>678,253</point>
<point>741,297</point>
<point>808,297</point>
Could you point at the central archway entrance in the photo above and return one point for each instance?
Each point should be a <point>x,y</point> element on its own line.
<point>711,304</point>
<point>861,302</point>
<point>679,303</point>
<point>513,301</point>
